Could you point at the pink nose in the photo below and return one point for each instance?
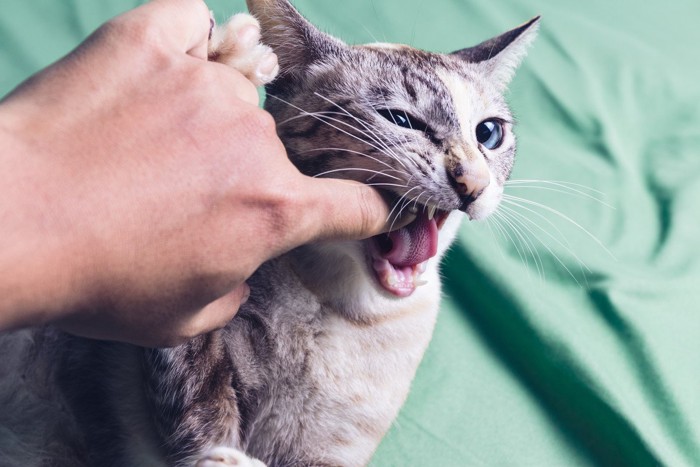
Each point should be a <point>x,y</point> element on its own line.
<point>470,181</point>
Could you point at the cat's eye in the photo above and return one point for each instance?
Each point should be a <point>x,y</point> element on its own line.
<point>489,133</point>
<point>403,119</point>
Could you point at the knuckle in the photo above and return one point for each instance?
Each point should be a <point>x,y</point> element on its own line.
<point>141,32</point>
<point>201,78</point>
<point>260,123</point>
<point>249,92</point>
<point>282,218</point>
<point>283,204</point>
<point>242,87</point>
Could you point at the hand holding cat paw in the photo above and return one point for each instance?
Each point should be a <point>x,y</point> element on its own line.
<point>237,44</point>
<point>129,142</point>
<point>143,185</point>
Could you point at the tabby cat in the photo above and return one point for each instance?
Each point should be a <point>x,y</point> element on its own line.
<point>315,366</point>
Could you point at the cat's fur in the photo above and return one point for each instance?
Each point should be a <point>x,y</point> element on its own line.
<point>315,366</point>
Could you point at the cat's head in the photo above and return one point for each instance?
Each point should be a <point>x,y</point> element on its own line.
<point>431,130</point>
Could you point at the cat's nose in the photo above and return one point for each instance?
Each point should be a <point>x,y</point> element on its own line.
<point>470,177</point>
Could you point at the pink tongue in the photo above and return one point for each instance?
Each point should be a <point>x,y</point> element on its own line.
<point>413,244</point>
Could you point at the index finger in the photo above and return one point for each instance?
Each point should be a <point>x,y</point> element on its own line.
<point>182,24</point>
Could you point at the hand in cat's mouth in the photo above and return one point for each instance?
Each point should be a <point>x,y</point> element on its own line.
<point>399,257</point>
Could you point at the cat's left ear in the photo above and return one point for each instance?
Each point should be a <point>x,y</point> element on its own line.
<point>498,57</point>
<point>297,42</point>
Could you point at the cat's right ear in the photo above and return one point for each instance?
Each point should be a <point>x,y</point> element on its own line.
<point>296,41</point>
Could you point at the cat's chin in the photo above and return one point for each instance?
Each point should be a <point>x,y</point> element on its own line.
<point>400,257</point>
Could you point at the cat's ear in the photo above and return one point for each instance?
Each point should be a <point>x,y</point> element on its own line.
<point>296,41</point>
<point>498,57</point>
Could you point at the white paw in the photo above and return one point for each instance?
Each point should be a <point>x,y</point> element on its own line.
<point>237,44</point>
<point>223,456</point>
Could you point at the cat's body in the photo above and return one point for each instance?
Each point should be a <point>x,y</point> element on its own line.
<point>290,379</point>
<point>315,366</point>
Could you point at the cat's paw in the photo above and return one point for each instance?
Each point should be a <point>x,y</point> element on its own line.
<point>237,44</point>
<point>223,456</point>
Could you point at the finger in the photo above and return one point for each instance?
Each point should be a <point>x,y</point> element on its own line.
<point>183,24</point>
<point>351,210</point>
<point>242,86</point>
<point>219,312</point>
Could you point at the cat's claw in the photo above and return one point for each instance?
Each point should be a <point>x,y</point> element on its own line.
<point>237,44</point>
<point>223,456</point>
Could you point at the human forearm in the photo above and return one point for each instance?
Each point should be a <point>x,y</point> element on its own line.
<point>38,264</point>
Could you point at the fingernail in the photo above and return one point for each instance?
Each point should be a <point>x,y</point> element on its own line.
<point>212,23</point>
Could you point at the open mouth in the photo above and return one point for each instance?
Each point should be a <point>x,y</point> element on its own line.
<point>400,257</point>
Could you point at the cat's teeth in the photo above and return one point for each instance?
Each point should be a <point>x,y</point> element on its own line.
<point>422,267</point>
<point>413,210</point>
<point>392,280</point>
<point>431,212</point>
<point>419,282</point>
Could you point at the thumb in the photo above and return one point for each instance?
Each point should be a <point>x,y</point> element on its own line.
<point>351,210</point>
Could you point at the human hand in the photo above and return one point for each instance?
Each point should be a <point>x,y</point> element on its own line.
<point>146,186</point>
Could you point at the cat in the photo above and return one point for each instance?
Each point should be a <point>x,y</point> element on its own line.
<point>316,365</point>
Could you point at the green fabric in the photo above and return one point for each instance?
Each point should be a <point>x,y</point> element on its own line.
<point>549,350</point>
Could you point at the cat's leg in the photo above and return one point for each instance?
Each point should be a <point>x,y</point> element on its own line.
<point>222,457</point>
<point>190,393</point>
<point>237,44</point>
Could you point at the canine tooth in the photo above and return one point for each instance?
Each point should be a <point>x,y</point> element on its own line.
<point>413,210</point>
<point>419,282</point>
<point>431,212</point>
<point>391,280</point>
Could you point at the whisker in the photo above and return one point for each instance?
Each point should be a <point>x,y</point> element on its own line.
<point>405,204</point>
<point>322,119</point>
<point>396,205</point>
<point>502,217</point>
<point>384,147</point>
<point>492,222</point>
<point>541,216</point>
<point>358,153</point>
<point>427,202</point>
<point>356,169</point>
<point>524,219</point>
<point>552,253</point>
<point>401,143</point>
<point>364,124</point>
<point>386,184</point>
<point>528,234</point>
<point>517,200</point>
<point>527,242</point>
<point>566,190</point>
<point>555,182</point>
<point>415,200</point>
<point>567,246</point>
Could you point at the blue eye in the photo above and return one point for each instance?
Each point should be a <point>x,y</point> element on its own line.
<point>402,119</point>
<point>489,133</point>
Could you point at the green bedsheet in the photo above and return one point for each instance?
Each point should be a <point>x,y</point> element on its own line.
<point>570,342</point>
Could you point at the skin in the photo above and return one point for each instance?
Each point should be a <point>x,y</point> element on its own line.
<point>142,186</point>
